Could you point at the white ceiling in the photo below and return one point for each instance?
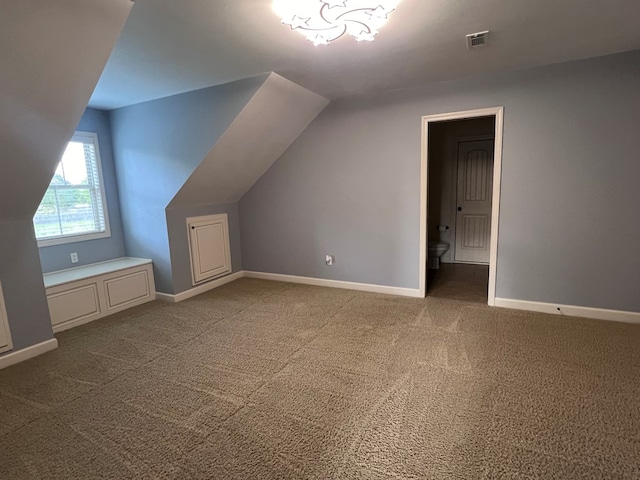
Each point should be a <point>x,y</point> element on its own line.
<point>173,46</point>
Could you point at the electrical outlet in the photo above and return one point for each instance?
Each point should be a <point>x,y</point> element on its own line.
<point>74,257</point>
<point>329,259</point>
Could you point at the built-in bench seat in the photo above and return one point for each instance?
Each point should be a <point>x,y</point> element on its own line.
<point>82,294</point>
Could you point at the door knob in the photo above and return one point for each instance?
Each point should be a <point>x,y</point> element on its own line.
<point>459,209</point>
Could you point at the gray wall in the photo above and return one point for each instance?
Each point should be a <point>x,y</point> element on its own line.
<point>45,83</point>
<point>46,80</point>
<point>569,225</point>
<point>157,146</point>
<point>443,169</point>
<point>57,257</point>
<point>179,240</point>
<point>22,284</point>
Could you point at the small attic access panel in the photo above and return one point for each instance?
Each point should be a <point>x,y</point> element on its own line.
<point>209,247</point>
<point>5,334</point>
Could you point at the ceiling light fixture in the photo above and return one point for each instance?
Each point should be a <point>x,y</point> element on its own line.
<point>323,21</point>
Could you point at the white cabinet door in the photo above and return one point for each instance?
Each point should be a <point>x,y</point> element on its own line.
<point>73,303</point>
<point>5,335</point>
<point>130,288</point>
<point>209,247</point>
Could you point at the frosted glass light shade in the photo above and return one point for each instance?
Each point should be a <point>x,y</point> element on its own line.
<point>323,21</point>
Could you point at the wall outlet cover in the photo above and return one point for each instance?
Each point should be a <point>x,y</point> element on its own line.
<point>74,257</point>
<point>329,259</point>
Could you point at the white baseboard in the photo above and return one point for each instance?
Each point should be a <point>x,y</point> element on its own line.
<point>26,353</point>
<point>557,309</point>
<point>571,310</point>
<point>320,282</point>
<point>180,297</point>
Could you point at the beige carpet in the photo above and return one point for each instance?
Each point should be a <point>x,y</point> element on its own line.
<point>260,380</point>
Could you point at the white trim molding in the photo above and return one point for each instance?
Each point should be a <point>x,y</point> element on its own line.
<point>27,353</point>
<point>570,310</point>
<point>321,282</point>
<point>182,296</point>
<point>498,113</point>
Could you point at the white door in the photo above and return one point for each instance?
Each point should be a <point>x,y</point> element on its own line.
<point>5,335</point>
<point>209,247</point>
<point>475,187</point>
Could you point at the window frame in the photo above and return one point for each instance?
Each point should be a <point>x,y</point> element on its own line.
<point>83,137</point>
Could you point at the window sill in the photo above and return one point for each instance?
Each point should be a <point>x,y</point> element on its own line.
<point>50,242</point>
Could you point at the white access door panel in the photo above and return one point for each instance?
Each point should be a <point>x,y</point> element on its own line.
<point>5,334</point>
<point>209,247</point>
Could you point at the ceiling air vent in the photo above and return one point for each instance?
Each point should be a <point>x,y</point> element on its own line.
<point>476,40</point>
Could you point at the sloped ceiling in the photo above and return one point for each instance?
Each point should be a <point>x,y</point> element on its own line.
<point>53,53</point>
<point>274,117</point>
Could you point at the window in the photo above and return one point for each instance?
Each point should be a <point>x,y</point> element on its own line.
<point>74,207</point>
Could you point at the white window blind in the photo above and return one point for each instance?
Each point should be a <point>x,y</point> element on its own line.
<point>74,208</point>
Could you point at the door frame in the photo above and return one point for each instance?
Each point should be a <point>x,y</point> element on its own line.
<point>498,113</point>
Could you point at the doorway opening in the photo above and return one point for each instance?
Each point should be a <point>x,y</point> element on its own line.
<point>460,202</point>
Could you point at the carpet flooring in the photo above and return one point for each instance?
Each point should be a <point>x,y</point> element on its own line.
<point>266,380</point>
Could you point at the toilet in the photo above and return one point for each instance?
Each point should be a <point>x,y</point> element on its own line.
<point>436,250</point>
